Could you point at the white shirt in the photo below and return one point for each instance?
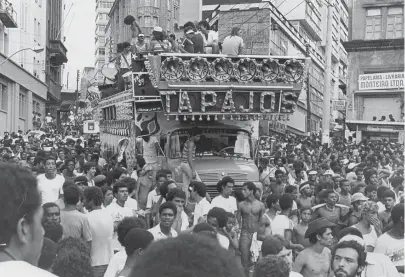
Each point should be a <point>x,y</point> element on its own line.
<point>102,230</point>
<point>149,150</point>
<point>379,265</point>
<point>158,234</point>
<point>50,189</point>
<point>223,241</point>
<point>118,213</point>
<point>280,224</point>
<point>153,198</point>
<point>184,221</point>
<point>201,209</point>
<point>228,204</point>
<point>393,248</point>
<point>20,268</point>
<point>116,264</point>
<point>130,203</point>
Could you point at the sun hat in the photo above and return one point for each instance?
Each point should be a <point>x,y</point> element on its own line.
<point>358,196</point>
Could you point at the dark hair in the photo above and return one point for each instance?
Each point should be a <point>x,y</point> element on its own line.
<point>104,190</point>
<point>389,193</point>
<point>362,254</point>
<point>349,231</point>
<point>125,44</point>
<point>127,224</point>
<point>235,31</point>
<point>168,205</point>
<point>189,24</point>
<point>271,200</point>
<point>49,205</point>
<point>118,185</point>
<point>200,257</point>
<point>49,157</point>
<point>131,183</point>
<point>204,23</point>
<point>250,186</point>
<point>72,264</point>
<point>272,245</point>
<point>290,189</point>
<point>53,230</point>
<point>129,19</point>
<point>220,214</point>
<point>71,195</point>
<point>137,239</point>
<point>381,190</point>
<point>118,172</point>
<point>87,166</point>
<point>160,174</point>
<point>359,169</point>
<point>94,194</point>
<point>199,187</point>
<point>164,188</point>
<point>286,201</point>
<point>272,265</point>
<point>370,188</point>
<point>343,181</point>
<point>327,192</point>
<point>397,212</point>
<point>48,254</point>
<point>222,183</point>
<point>19,197</point>
<point>172,36</point>
<point>175,193</point>
<point>73,244</point>
<point>396,181</point>
<point>278,171</point>
<point>195,131</point>
<point>313,237</point>
<point>140,161</point>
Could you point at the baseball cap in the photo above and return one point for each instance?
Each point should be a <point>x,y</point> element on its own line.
<point>157,29</point>
<point>358,196</point>
<point>318,224</point>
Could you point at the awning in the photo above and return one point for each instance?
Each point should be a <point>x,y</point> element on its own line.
<point>379,92</point>
<point>375,126</point>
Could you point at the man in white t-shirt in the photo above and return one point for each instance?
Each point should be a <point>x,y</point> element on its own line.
<point>178,197</point>
<point>225,200</point>
<point>118,211</point>
<point>102,230</point>
<point>21,232</point>
<point>391,243</point>
<point>202,207</point>
<point>50,184</point>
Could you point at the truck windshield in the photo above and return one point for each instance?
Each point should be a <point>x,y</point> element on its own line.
<point>213,142</point>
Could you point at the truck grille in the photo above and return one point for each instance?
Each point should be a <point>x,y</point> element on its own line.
<point>209,176</point>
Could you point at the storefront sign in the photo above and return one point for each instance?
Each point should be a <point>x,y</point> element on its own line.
<point>228,102</point>
<point>339,105</point>
<point>391,80</point>
<point>277,127</point>
<point>384,128</point>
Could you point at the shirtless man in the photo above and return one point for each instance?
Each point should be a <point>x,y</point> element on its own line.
<point>250,211</point>
<point>385,216</point>
<point>278,186</point>
<point>331,211</point>
<point>305,200</point>
<point>302,227</point>
<point>267,218</point>
<point>144,186</point>
<point>315,260</point>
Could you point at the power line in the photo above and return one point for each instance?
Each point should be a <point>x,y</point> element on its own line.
<point>294,7</point>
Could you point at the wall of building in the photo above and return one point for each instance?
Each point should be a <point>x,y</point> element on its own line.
<point>30,33</point>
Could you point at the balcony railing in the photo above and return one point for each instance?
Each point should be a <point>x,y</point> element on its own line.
<point>57,52</point>
<point>343,57</point>
<point>7,14</point>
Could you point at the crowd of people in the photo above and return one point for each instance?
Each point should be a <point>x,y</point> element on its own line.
<point>320,210</point>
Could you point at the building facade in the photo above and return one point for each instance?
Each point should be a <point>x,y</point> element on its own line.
<point>148,13</point>
<point>56,54</point>
<point>23,91</point>
<point>376,70</point>
<point>293,30</point>
<point>103,8</point>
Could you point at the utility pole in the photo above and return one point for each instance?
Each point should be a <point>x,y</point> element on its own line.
<point>308,93</point>
<point>327,77</point>
<point>77,89</point>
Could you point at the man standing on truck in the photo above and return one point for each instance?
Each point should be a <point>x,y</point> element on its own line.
<point>187,167</point>
<point>150,150</point>
<point>249,213</point>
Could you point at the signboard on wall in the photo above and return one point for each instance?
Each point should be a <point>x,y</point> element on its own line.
<point>339,105</point>
<point>91,127</point>
<point>389,80</point>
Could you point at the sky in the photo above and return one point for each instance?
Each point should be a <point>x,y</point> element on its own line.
<point>79,28</point>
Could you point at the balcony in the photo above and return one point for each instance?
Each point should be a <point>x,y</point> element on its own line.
<point>343,57</point>
<point>148,10</point>
<point>57,52</point>
<point>7,14</point>
<point>54,90</point>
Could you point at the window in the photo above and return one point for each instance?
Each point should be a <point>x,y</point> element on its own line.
<point>148,21</point>
<point>279,43</point>
<point>39,33</point>
<point>156,21</point>
<point>156,3</point>
<point>395,22</point>
<point>101,51</point>
<point>3,97</point>
<point>35,29</point>
<point>22,106</point>
<point>373,24</point>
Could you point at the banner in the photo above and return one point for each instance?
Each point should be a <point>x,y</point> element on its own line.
<point>390,80</point>
<point>339,105</point>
